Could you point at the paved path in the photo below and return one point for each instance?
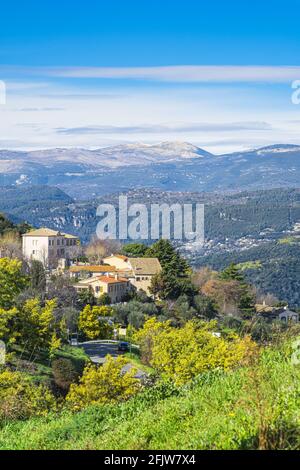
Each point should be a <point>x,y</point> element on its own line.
<point>98,351</point>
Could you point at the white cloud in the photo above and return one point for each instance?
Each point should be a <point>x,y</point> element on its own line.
<point>90,113</point>
<point>176,128</point>
<point>174,73</point>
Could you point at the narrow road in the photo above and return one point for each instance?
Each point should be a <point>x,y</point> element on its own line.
<point>97,352</point>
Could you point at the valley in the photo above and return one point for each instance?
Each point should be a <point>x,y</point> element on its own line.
<point>247,226</point>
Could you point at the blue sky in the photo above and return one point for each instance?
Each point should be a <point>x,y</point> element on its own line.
<point>98,73</point>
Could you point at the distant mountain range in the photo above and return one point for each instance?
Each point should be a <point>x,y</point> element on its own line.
<point>169,166</point>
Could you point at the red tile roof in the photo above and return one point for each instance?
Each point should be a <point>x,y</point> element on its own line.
<point>111,280</point>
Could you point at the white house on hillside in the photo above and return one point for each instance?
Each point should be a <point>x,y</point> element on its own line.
<point>48,246</point>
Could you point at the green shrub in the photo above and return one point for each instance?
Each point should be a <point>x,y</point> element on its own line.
<point>20,398</point>
<point>64,373</point>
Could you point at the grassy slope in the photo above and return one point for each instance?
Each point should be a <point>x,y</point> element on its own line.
<point>37,364</point>
<point>135,360</point>
<point>218,412</point>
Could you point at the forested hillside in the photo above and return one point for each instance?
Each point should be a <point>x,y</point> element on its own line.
<point>273,267</point>
<point>6,226</point>
<point>21,203</point>
<point>239,227</point>
<point>226,215</point>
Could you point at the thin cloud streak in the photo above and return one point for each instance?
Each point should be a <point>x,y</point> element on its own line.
<point>162,129</point>
<point>173,73</point>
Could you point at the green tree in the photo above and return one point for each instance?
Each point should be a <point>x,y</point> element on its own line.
<point>12,281</point>
<point>204,307</point>
<point>175,277</point>
<point>8,319</point>
<point>233,273</point>
<point>93,321</point>
<point>37,324</point>
<point>86,297</point>
<point>246,300</point>
<point>37,276</point>
<point>135,313</point>
<point>170,260</point>
<point>179,311</point>
<point>88,322</point>
<point>104,299</point>
<point>64,373</point>
<point>165,285</point>
<point>135,250</point>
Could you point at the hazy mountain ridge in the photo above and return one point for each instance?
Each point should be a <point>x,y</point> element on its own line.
<point>111,157</point>
<point>168,166</point>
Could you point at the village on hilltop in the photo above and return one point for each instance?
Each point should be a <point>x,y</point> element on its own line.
<point>116,276</point>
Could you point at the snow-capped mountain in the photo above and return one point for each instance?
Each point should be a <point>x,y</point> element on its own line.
<point>280,148</point>
<point>110,157</point>
<point>171,166</point>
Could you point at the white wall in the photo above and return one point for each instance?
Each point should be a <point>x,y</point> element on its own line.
<point>36,248</point>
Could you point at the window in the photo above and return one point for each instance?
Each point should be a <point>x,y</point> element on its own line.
<point>58,241</point>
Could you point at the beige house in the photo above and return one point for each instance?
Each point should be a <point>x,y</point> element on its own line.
<point>48,246</point>
<point>116,287</point>
<point>86,271</point>
<point>119,261</point>
<point>142,271</point>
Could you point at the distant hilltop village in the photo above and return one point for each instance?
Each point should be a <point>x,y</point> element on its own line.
<point>115,276</point>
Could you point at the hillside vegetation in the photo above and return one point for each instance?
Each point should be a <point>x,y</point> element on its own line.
<point>248,408</point>
<point>216,374</point>
<point>273,267</point>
